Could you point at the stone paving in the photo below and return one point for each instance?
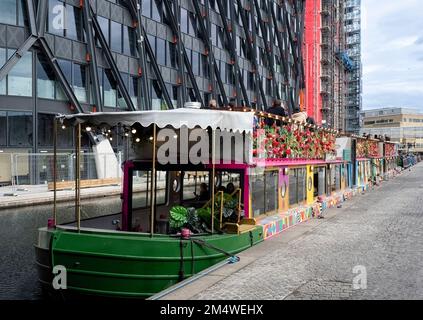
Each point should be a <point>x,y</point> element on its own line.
<point>381,231</point>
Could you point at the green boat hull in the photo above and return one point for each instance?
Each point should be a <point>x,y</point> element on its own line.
<point>132,265</point>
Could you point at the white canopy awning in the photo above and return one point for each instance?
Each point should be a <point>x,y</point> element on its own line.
<point>177,118</point>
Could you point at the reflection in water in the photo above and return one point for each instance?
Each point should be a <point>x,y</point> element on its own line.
<point>18,232</point>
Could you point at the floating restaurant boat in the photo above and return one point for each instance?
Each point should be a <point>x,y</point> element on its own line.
<point>214,183</point>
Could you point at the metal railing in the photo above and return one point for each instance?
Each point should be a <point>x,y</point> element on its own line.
<point>36,169</point>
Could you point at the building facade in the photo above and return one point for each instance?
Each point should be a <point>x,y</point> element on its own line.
<point>327,64</point>
<point>312,59</point>
<point>72,56</point>
<point>401,125</point>
<point>354,82</point>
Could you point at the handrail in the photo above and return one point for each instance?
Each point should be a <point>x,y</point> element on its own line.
<point>239,191</point>
<point>221,208</point>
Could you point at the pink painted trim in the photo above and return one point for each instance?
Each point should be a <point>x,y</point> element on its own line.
<point>287,162</point>
<point>126,194</point>
<point>231,166</point>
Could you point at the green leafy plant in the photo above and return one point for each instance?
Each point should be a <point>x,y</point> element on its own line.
<point>178,217</point>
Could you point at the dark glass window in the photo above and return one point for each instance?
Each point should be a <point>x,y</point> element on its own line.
<point>45,78</point>
<point>116,36</point>
<point>214,34</point>
<point>2,62</point>
<point>231,74</point>
<point>175,90</point>
<point>104,26</point>
<point>20,77</point>
<point>191,95</point>
<point>205,66</point>
<point>257,199</point>
<point>172,60</point>
<point>121,103</point>
<point>184,21</point>
<point>110,93</point>
<point>74,23</point>
<point>8,12</point>
<point>66,67</point>
<point>297,186</point>
<point>161,51</point>
<point>56,17</point>
<point>146,8</point>
<point>271,190</point>
<point>195,63</point>
<point>158,102</point>
<point>133,90</point>
<point>80,82</point>
<point>192,24</point>
<point>3,128</point>
<point>129,41</point>
<point>45,130</point>
<point>222,71</point>
<point>156,7</point>
<point>20,129</point>
<point>319,181</point>
<point>22,13</point>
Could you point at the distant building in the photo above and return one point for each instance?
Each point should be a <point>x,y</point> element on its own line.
<point>400,124</point>
<point>353,105</point>
<point>332,62</point>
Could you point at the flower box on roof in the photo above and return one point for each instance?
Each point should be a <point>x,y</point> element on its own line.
<point>291,141</point>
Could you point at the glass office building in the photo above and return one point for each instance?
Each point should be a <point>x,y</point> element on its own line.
<point>84,56</point>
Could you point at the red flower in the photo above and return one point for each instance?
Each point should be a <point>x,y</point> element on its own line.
<point>288,152</point>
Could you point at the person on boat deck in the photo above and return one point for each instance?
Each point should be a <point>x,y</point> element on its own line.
<point>232,104</point>
<point>212,105</point>
<point>310,120</point>
<point>204,192</point>
<point>276,109</point>
<point>230,188</point>
<point>221,188</point>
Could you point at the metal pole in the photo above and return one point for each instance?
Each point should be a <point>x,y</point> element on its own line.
<point>78,178</point>
<point>213,178</point>
<point>55,172</point>
<point>153,183</point>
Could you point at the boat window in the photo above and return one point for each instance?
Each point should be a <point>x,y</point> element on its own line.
<point>192,185</point>
<point>227,182</point>
<point>257,194</point>
<point>335,178</point>
<point>271,190</point>
<point>264,193</point>
<point>319,181</point>
<point>141,187</point>
<point>297,186</point>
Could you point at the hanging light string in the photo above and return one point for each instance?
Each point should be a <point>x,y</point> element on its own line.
<point>119,131</point>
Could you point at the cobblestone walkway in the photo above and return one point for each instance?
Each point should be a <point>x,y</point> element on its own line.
<point>381,231</point>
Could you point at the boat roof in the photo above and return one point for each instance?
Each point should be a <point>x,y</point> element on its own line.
<point>192,118</point>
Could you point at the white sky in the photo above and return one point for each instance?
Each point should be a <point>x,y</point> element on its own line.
<point>392,53</point>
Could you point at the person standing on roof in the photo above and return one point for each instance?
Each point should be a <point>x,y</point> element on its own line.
<point>276,109</point>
